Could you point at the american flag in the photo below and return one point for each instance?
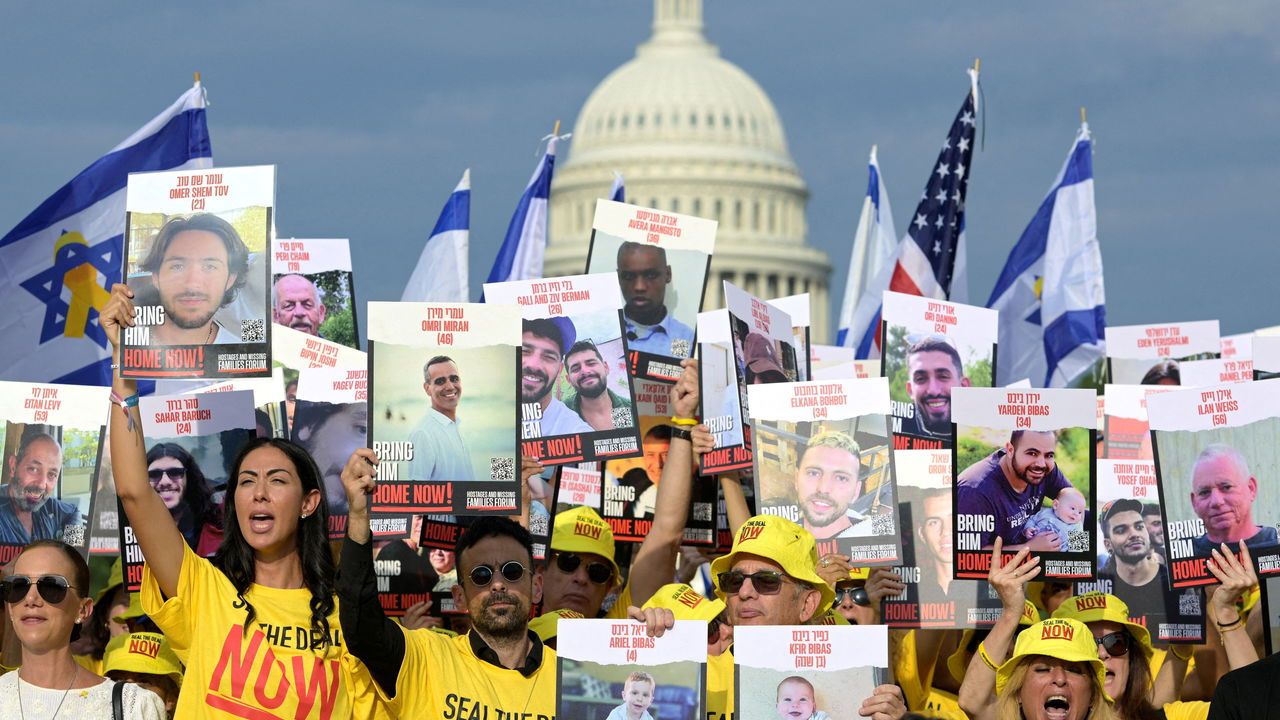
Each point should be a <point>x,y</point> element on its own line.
<point>927,256</point>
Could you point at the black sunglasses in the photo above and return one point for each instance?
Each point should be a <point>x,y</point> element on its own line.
<point>597,572</point>
<point>1116,643</point>
<point>511,570</point>
<point>177,473</point>
<point>53,588</point>
<point>856,594</point>
<point>713,628</point>
<point>766,582</point>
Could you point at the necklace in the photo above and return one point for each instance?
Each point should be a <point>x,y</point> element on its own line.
<point>212,329</point>
<point>22,713</point>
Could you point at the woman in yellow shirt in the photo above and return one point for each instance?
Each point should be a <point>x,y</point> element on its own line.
<point>257,623</point>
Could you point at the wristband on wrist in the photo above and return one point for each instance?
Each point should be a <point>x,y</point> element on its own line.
<point>125,403</point>
<point>683,421</point>
<point>1231,625</point>
<point>982,653</point>
<point>682,434</point>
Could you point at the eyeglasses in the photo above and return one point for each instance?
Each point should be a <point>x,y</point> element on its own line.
<point>766,582</point>
<point>482,575</point>
<point>1116,643</point>
<point>597,572</point>
<point>858,595</point>
<point>629,276</point>
<point>177,473</point>
<point>53,588</point>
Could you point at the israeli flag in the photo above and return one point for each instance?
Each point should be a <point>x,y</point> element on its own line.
<point>874,244</point>
<point>520,257</point>
<point>618,193</point>
<point>1050,293</point>
<point>441,274</point>
<point>58,265</point>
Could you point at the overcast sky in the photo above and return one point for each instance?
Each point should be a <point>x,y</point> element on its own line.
<point>372,111</point>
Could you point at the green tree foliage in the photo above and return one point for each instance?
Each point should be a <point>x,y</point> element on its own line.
<point>340,328</point>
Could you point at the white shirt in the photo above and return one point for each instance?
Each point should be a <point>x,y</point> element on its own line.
<point>224,336</point>
<point>558,420</point>
<point>438,450</point>
<point>80,703</point>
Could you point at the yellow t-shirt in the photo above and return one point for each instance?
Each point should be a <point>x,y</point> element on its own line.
<point>720,686</point>
<point>944,705</point>
<point>1186,710</point>
<point>618,611</point>
<point>267,672</point>
<point>442,678</point>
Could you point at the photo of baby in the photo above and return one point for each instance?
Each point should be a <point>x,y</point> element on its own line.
<point>1065,515</point>
<point>796,700</point>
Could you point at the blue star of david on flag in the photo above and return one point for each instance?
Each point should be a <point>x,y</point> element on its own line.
<point>48,287</point>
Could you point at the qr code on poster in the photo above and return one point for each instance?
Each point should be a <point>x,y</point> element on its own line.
<point>1077,541</point>
<point>680,348</point>
<point>73,535</point>
<point>253,330</point>
<point>622,417</point>
<point>702,512</point>
<point>502,468</point>
<point>882,525</point>
<point>1189,604</point>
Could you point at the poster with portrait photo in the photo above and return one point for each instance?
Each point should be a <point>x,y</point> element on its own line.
<point>933,598</point>
<point>331,422</point>
<point>1131,560</point>
<point>49,454</point>
<point>404,571</point>
<point>798,308</point>
<point>444,407</point>
<point>576,399</point>
<point>313,289</point>
<point>822,459</point>
<point>832,362</point>
<point>104,515</point>
<point>582,486</point>
<point>1266,357</point>
<point>191,441</point>
<point>1023,467</point>
<point>721,396</point>
<point>1271,610</point>
<point>1215,371</point>
<point>1150,354</point>
<point>930,348</point>
<point>828,669</point>
<point>612,668</point>
<point>1125,432</point>
<point>268,400</point>
<point>1236,347</point>
<point>1216,457</point>
<point>198,261</point>
<point>294,351</point>
<point>660,262</point>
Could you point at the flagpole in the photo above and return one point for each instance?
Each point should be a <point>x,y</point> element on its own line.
<point>197,75</point>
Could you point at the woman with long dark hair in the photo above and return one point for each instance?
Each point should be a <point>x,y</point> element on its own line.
<point>176,476</point>
<point>257,623</point>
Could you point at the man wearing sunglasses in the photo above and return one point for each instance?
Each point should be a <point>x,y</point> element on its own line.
<point>28,509</point>
<point>498,668</point>
<point>643,275</point>
<point>439,452</point>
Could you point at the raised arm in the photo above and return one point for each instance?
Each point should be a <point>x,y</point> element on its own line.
<point>1009,580</point>
<point>370,634</point>
<point>158,536</point>
<point>655,562</point>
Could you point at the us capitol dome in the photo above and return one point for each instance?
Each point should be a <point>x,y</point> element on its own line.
<point>692,133</point>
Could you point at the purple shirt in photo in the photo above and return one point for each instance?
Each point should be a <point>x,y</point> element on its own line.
<point>983,490</point>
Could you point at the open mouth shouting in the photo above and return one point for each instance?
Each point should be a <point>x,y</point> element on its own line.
<point>261,522</point>
<point>1057,707</point>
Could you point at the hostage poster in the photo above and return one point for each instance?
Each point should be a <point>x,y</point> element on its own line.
<point>661,261</point>
<point>1150,354</point>
<point>782,670</point>
<point>444,407</point>
<point>576,399</point>
<point>313,290</point>
<point>198,261</point>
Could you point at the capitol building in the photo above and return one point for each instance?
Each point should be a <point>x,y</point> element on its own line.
<point>692,133</point>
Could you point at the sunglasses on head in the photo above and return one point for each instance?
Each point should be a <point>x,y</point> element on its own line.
<point>52,588</point>
<point>766,582</point>
<point>482,575</point>
<point>1115,643</point>
<point>177,473</point>
<point>858,595</point>
<point>597,572</point>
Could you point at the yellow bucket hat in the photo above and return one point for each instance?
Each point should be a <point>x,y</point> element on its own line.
<point>958,661</point>
<point>114,579</point>
<point>546,625</point>
<point>1061,638</point>
<point>134,611</point>
<point>580,530</point>
<point>1096,607</point>
<point>785,543</point>
<point>142,652</point>
<point>685,603</point>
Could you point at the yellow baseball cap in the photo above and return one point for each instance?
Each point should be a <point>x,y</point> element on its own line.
<point>1061,638</point>
<point>580,530</point>
<point>958,661</point>
<point>142,652</point>
<point>1097,607</point>
<point>785,543</point>
<point>545,625</point>
<point>685,603</point>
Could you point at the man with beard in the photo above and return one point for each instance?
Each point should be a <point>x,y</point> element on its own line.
<point>1137,576</point>
<point>933,370</point>
<point>828,481</point>
<point>543,347</point>
<point>28,510</point>
<point>1155,528</point>
<point>439,453</point>
<point>1010,485</point>
<point>643,274</point>
<point>297,304</point>
<point>1222,494</point>
<point>197,265</point>
<point>594,402</point>
<point>497,668</point>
